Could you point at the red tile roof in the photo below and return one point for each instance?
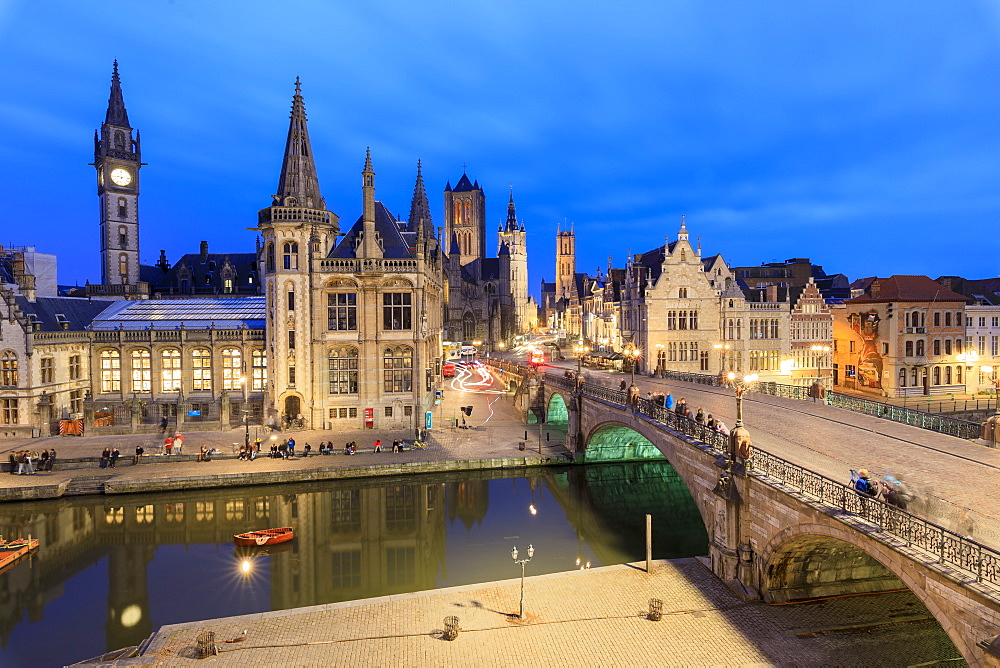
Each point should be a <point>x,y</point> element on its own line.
<point>907,289</point>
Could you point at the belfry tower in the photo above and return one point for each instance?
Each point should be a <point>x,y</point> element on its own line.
<point>117,161</point>
<point>298,231</point>
<point>565,264</point>
<point>513,255</point>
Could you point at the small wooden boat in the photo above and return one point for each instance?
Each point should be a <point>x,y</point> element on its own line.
<point>264,537</point>
<point>11,552</point>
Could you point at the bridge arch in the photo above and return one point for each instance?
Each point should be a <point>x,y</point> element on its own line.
<point>555,412</point>
<point>812,561</point>
<point>618,442</point>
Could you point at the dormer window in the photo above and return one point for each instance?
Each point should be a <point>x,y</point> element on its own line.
<point>62,321</point>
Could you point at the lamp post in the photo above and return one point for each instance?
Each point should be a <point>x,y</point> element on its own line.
<point>992,423</point>
<point>632,354</point>
<point>723,349</point>
<point>742,384</point>
<point>821,359</point>
<point>660,367</point>
<point>246,413</point>
<point>513,554</point>
<point>580,350</point>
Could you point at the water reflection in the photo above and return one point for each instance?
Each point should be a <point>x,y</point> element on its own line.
<point>118,567</point>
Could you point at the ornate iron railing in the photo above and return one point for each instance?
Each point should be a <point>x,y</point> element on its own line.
<point>945,425</point>
<point>950,547</point>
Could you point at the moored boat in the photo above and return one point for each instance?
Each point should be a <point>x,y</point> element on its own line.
<point>11,552</point>
<point>264,537</point>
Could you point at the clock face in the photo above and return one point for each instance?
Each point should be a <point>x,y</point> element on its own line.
<point>121,177</point>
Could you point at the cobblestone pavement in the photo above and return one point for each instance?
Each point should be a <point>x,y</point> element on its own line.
<point>581,618</point>
<point>954,479</point>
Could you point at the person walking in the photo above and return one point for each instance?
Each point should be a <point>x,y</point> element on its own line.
<point>13,463</point>
<point>179,442</point>
<point>163,425</point>
<point>168,445</point>
<point>291,447</point>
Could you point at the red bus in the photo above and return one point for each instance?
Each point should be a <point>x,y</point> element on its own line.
<point>536,358</point>
<point>448,370</point>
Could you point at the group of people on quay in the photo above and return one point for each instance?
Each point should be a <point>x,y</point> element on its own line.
<point>109,457</point>
<point>889,489</point>
<point>27,462</point>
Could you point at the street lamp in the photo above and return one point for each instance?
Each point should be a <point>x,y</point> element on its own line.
<point>632,354</point>
<point>723,349</point>
<point>741,384</point>
<point>246,413</point>
<point>580,350</point>
<point>820,360</point>
<point>513,555</point>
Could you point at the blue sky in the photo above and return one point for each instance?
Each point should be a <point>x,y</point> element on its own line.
<point>863,135</point>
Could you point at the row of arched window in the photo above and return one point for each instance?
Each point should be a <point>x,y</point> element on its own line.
<point>140,377</point>
<point>289,256</point>
<point>8,369</point>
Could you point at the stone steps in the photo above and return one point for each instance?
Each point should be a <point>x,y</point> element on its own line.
<point>87,484</point>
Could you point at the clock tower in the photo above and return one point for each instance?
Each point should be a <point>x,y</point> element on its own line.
<point>117,161</point>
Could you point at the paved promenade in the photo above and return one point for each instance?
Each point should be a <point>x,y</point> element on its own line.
<point>580,618</point>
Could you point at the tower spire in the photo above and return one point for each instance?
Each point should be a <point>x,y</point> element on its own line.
<point>420,209</point>
<point>511,225</point>
<point>298,171</point>
<point>116,104</point>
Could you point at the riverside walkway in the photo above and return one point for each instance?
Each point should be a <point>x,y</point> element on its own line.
<point>582,618</point>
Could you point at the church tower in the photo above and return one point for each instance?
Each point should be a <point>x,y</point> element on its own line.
<point>117,161</point>
<point>298,233</point>
<point>513,255</point>
<point>565,264</point>
<point>465,219</point>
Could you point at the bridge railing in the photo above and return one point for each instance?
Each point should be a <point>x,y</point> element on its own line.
<point>945,425</point>
<point>950,547</point>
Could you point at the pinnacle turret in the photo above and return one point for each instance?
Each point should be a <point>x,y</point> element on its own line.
<point>298,185</point>
<point>420,209</point>
<point>511,225</point>
<point>116,104</point>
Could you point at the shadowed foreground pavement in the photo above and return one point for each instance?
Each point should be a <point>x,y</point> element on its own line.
<point>581,618</point>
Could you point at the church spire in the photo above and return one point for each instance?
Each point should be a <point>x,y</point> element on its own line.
<point>298,171</point>
<point>420,209</point>
<point>116,104</point>
<point>511,214</point>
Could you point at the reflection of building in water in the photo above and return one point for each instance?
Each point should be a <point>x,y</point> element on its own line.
<point>607,505</point>
<point>468,501</point>
<point>354,543</point>
<point>350,543</point>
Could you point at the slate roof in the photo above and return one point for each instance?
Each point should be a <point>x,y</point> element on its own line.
<point>464,185</point>
<point>393,243</point>
<point>79,312</point>
<point>907,288</point>
<point>205,274</point>
<point>489,268</point>
<point>984,292</point>
<point>230,313</point>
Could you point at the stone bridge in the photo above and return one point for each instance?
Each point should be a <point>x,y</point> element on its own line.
<point>779,532</point>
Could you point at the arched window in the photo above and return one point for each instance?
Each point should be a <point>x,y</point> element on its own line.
<point>123,267</point>
<point>232,368</point>
<point>902,377</point>
<point>468,327</point>
<point>936,346</point>
<point>122,215</point>
<point>661,359</point>
<point>908,347</point>
<point>913,378</point>
<point>343,365</point>
<point>920,347</point>
<point>739,328</point>
<point>937,375</point>
<point>947,346</point>
<point>111,371</point>
<point>290,255</point>
<point>958,375</point>
<point>397,369</point>
<point>8,369</point>
<point>140,371</point>
<point>682,293</point>
<point>170,374</point>
<point>258,376</point>
<point>269,258</point>
<point>947,375</point>
<point>201,370</point>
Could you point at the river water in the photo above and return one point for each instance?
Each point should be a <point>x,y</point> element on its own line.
<point>113,569</point>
